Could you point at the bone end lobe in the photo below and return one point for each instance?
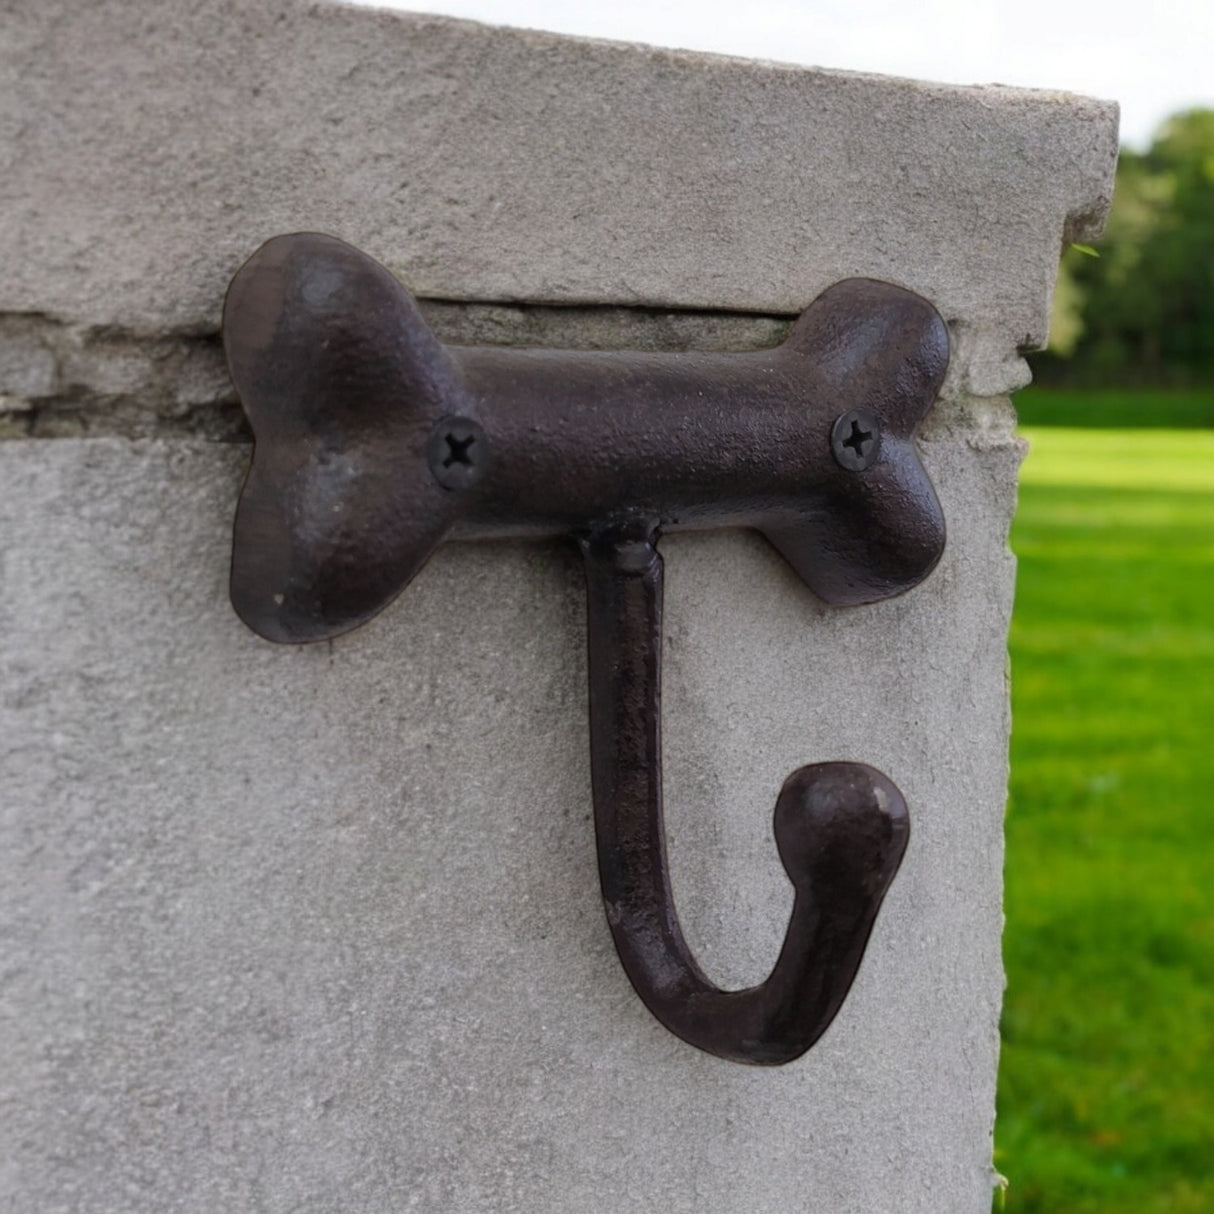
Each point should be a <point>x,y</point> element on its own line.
<point>342,382</point>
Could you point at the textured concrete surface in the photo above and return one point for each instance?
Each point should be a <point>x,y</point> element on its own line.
<point>148,149</point>
<point>318,929</point>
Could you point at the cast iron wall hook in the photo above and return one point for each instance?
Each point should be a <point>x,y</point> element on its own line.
<point>375,443</point>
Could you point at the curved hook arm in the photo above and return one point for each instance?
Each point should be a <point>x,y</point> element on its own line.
<point>841,830</point>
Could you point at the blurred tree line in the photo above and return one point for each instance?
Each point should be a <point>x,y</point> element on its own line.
<point>1142,312</point>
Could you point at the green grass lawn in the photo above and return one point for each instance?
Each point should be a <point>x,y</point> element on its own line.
<point>1106,1099</point>
<point>1169,407</point>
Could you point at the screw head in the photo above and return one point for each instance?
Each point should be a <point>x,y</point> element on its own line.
<point>458,452</point>
<point>855,439</point>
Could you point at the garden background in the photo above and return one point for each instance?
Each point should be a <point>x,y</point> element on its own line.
<point>1106,1094</point>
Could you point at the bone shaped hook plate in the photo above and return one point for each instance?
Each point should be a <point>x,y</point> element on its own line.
<point>375,443</point>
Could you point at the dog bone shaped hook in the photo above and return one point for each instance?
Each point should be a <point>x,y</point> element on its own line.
<point>374,443</point>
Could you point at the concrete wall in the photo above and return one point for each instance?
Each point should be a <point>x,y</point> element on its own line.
<point>318,929</point>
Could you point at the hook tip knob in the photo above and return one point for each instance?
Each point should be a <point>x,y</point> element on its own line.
<point>841,825</point>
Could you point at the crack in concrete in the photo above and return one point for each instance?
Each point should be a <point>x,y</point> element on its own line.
<point>60,379</point>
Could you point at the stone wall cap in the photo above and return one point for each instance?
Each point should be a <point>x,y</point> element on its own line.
<point>148,151</point>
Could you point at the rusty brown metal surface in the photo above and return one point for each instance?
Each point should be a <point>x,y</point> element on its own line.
<point>840,828</point>
<point>375,443</point>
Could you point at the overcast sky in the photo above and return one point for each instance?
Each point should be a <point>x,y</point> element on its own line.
<point>1155,58</point>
